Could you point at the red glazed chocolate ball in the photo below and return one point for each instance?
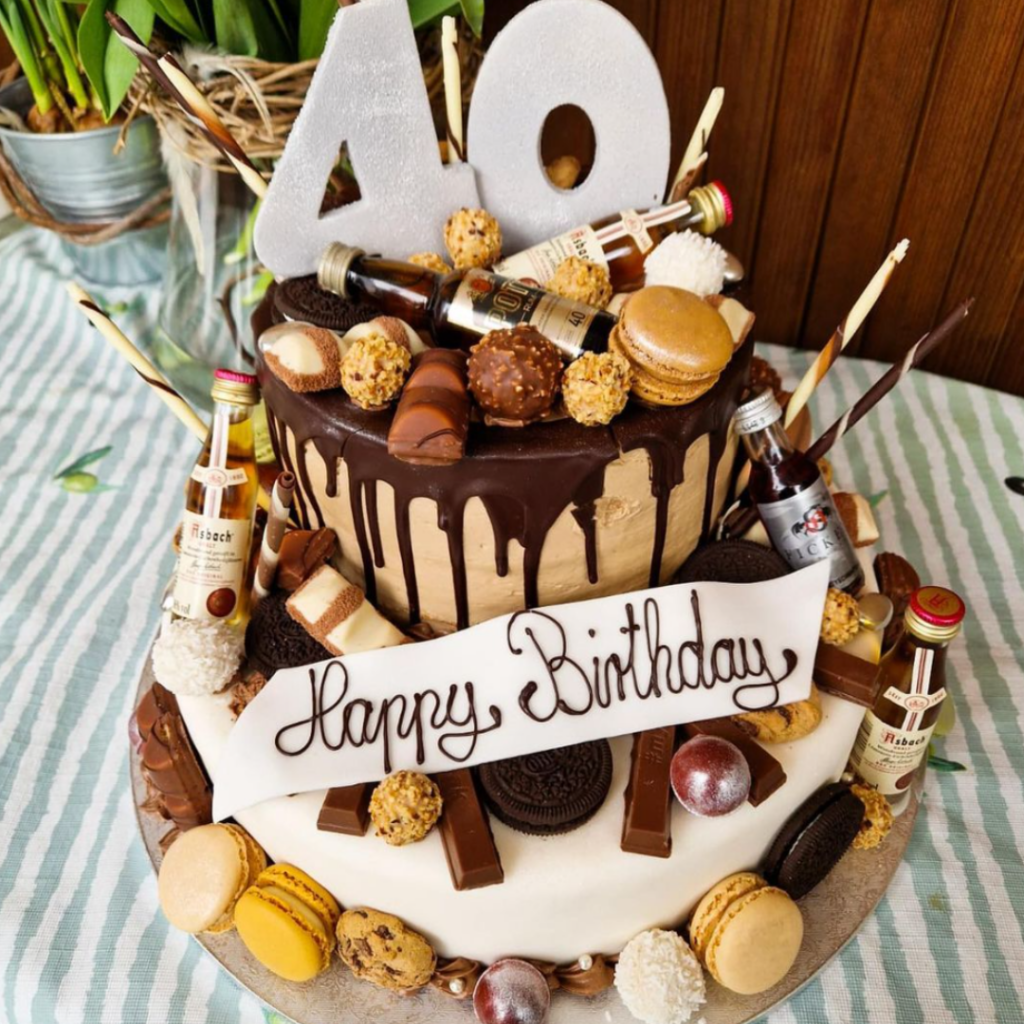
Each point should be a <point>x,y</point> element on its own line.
<point>515,375</point>
<point>710,777</point>
<point>511,992</point>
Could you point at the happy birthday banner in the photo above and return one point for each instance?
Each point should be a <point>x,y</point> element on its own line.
<point>531,681</point>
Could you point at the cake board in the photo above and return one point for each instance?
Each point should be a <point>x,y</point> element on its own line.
<point>833,914</point>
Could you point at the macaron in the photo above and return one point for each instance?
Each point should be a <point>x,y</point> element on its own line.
<point>746,933</point>
<point>676,343</point>
<point>814,838</point>
<point>203,875</point>
<point>287,922</point>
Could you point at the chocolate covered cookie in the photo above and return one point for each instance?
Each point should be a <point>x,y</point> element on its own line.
<point>814,839</point>
<point>301,298</point>
<point>551,792</point>
<point>732,561</point>
<point>275,640</point>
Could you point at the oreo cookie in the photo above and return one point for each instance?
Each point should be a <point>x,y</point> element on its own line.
<point>273,639</point>
<point>301,298</point>
<point>552,792</point>
<point>732,561</point>
<point>814,839</point>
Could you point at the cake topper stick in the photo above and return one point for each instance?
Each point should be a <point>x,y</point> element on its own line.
<point>452,90</point>
<point>847,328</point>
<point>273,534</point>
<point>142,366</point>
<point>695,155</point>
<point>871,398</point>
<point>170,74</point>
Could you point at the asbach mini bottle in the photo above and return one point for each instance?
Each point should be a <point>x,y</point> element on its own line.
<point>792,499</point>
<point>894,736</point>
<point>213,559</point>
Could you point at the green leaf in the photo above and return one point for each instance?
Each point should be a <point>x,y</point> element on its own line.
<point>109,64</point>
<point>423,12</point>
<point>940,764</point>
<point>249,30</point>
<point>86,460</point>
<point>473,12</point>
<point>177,14</point>
<point>315,18</point>
<point>874,500</point>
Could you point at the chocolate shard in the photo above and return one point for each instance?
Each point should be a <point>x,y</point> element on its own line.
<point>846,676</point>
<point>647,818</point>
<point>169,761</point>
<point>346,809</point>
<point>302,553</point>
<point>766,772</point>
<point>473,860</point>
<point>897,579</point>
<point>432,419</point>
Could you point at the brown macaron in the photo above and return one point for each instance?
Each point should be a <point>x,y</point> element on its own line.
<point>676,343</point>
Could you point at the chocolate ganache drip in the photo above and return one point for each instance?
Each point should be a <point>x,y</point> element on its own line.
<point>525,478</point>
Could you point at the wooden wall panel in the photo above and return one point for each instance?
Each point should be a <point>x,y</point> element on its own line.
<point>847,125</point>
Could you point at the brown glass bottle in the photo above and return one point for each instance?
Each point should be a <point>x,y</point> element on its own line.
<point>792,499</point>
<point>458,308</point>
<point>894,736</point>
<point>622,241</point>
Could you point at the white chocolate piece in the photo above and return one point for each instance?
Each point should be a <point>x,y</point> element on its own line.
<point>737,317</point>
<point>391,327</point>
<point>336,613</point>
<point>304,357</point>
<point>859,520</point>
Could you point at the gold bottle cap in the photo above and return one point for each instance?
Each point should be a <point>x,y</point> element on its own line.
<point>934,614</point>
<point>235,387</point>
<point>715,204</point>
<point>875,611</point>
<point>333,269</point>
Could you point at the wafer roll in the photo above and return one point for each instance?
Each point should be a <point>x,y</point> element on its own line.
<point>273,534</point>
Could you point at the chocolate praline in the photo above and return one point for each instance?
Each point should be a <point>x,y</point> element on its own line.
<point>515,374</point>
<point>274,640</point>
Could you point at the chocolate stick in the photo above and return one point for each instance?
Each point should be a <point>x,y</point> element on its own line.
<point>922,348</point>
<point>170,74</point>
<point>452,90</point>
<point>273,534</point>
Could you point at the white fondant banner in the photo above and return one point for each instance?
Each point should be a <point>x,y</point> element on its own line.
<point>527,682</point>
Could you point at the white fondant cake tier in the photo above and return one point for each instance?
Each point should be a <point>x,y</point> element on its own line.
<point>562,896</point>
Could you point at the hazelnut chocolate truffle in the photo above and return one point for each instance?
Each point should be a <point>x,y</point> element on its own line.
<point>596,387</point>
<point>431,261</point>
<point>514,374</point>
<point>473,239</point>
<point>583,281</point>
<point>373,371</point>
<point>405,807</point>
<point>840,621</point>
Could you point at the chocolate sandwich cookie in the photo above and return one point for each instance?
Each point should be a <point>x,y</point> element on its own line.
<point>301,298</point>
<point>275,640</point>
<point>551,792</point>
<point>814,839</point>
<point>732,561</point>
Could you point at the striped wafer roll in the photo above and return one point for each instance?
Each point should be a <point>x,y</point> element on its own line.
<point>273,534</point>
<point>452,89</point>
<point>695,155</point>
<point>142,366</point>
<point>171,76</point>
<point>871,398</point>
<point>842,335</point>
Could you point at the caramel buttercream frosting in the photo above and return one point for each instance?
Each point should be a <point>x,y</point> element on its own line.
<point>588,976</point>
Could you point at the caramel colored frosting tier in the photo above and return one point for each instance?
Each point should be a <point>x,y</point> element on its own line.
<point>530,516</point>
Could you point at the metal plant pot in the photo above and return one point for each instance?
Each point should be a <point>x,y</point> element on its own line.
<point>79,179</point>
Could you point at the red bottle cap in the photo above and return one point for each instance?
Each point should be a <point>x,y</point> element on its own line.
<point>726,201</point>
<point>234,376</point>
<point>937,606</point>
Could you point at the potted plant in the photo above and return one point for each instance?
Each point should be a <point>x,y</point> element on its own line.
<point>68,160</point>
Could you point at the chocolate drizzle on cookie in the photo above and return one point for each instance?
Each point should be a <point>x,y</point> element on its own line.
<point>524,487</point>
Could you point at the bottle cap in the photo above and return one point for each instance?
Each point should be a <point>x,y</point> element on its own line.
<point>235,387</point>
<point>715,203</point>
<point>760,412</point>
<point>935,614</point>
<point>333,269</point>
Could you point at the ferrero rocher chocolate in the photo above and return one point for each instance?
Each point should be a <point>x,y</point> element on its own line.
<point>514,375</point>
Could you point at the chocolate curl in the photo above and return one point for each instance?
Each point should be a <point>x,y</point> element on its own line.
<point>171,76</point>
<point>452,89</point>
<point>922,348</point>
<point>695,155</point>
<point>273,534</point>
<point>842,335</point>
<point>142,366</point>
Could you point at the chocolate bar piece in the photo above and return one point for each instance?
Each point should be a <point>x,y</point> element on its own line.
<point>766,773</point>
<point>844,675</point>
<point>432,419</point>
<point>473,860</point>
<point>169,761</point>
<point>346,809</point>
<point>647,820</point>
<point>302,553</point>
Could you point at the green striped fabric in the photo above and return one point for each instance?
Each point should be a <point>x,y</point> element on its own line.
<point>81,936</point>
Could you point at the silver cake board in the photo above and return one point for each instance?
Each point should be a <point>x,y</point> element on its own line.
<point>833,914</point>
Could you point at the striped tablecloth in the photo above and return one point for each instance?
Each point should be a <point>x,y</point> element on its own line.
<point>81,936</point>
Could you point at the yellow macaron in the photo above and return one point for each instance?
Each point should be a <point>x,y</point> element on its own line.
<point>204,873</point>
<point>287,922</point>
<point>747,933</point>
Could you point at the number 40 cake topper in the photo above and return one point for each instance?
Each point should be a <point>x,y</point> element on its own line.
<point>368,93</point>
